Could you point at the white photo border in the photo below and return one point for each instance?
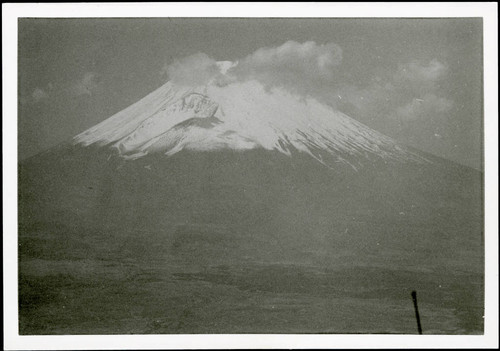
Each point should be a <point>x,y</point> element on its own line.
<point>10,15</point>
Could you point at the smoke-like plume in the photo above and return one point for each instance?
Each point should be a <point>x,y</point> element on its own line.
<point>302,68</point>
<point>298,67</point>
<point>192,70</point>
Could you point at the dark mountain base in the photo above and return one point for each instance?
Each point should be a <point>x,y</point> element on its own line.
<point>246,242</point>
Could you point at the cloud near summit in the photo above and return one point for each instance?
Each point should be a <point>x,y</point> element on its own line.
<point>195,69</point>
<point>291,63</point>
<point>296,66</point>
<point>409,93</point>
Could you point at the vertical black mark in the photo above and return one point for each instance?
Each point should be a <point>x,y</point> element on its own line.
<point>417,315</point>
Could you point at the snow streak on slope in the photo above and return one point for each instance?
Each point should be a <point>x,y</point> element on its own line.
<point>239,116</point>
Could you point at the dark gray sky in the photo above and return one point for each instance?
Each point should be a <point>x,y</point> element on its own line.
<point>416,80</point>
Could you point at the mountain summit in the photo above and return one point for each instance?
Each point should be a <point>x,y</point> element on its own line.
<point>240,116</point>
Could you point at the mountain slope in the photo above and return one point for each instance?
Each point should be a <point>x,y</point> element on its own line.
<point>253,241</point>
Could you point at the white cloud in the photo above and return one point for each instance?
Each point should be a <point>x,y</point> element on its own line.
<point>87,85</point>
<point>300,67</point>
<point>418,71</point>
<point>411,93</point>
<point>420,77</point>
<point>192,70</point>
<point>429,106</point>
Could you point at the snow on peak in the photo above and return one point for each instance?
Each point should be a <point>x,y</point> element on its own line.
<point>239,116</point>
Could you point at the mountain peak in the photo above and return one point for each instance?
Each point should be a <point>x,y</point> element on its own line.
<point>240,116</point>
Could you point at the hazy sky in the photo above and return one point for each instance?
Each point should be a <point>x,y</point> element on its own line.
<point>418,81</point>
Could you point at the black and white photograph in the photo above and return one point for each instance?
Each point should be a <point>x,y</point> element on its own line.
<point>233,175</point>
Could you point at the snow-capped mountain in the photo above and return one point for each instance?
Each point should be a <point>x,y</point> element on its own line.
<point>240,116</point>
<point>255,236</point>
